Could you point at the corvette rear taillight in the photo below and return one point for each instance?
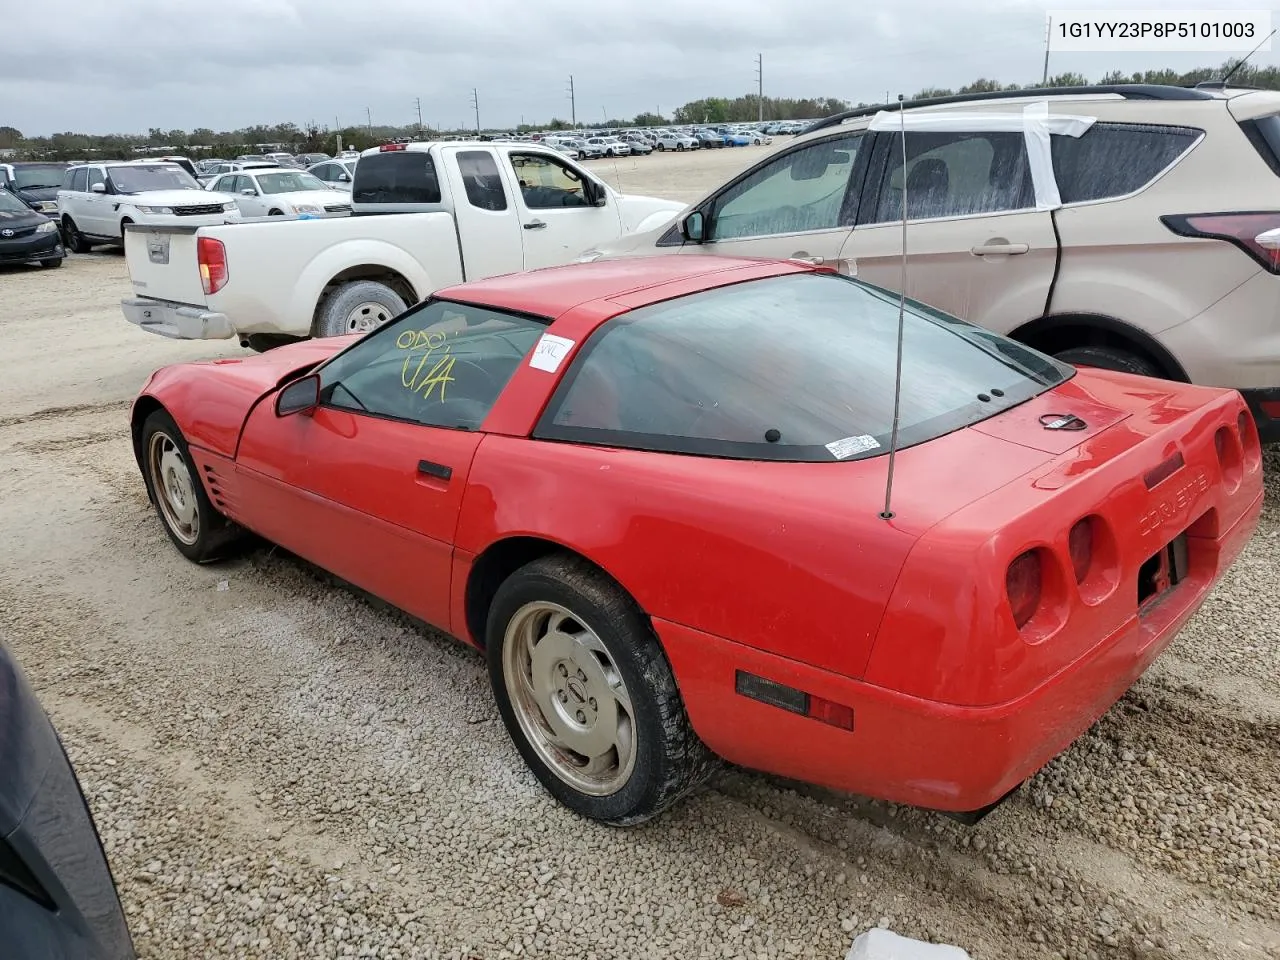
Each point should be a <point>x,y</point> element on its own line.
<point>212,257</point>
<point>1023,583</point>
<point>1080,545</point>
<point>1244,230</point>
<point>1227,446</point>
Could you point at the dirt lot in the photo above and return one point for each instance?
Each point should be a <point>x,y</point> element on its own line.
<point>281,768</point>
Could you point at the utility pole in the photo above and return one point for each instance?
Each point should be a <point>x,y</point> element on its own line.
<point>760,83</point>
<point>1048,36</point>
<point>475,104</point>
<point>368,116</point>
<point>418,102</point>
<point>573,104</point>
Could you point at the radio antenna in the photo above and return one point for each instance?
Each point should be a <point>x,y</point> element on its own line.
<point>887,512</point>
<point>1241,62</point>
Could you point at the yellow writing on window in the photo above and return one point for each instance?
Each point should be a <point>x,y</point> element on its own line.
<point>434,361</point>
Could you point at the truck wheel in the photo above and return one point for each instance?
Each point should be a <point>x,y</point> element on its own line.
<point>357,307</point>
<point>74,238</point>
<point>1109,358</point>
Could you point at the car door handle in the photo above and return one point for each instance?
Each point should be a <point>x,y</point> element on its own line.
<point>801,258</point>
<point>535,225</point>
<point>999,249</point>
<point>438,470</point>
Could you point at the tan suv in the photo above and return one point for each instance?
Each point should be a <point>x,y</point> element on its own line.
<point>1130,242</point>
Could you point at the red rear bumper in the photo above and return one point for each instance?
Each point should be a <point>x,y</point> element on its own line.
<point>916,751</point>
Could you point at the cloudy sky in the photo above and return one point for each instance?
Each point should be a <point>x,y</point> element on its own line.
<point>126,65</point>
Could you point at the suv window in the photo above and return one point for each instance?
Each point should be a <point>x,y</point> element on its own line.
<point>1113,159</point>
<point>442,364</point>
<point>802,190</point>
<point>95,176</point>
<point>79,179</point>
<point>546,183</point>
<point>397,176</point>
<point>796,367</point>
<point>955,175</point>
<point>483,181</point>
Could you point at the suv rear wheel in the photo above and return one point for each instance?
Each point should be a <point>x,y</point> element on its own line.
<point>1109,358</point>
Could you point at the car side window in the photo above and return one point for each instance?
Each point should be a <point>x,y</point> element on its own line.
<point>955,175</point>
<point>442,364</point>
<point>804,189</point>
<point>482,180</point>
<point>324,172</point>
<point>1114,159</point>
<point>80,180</point>
<point>545,183</point>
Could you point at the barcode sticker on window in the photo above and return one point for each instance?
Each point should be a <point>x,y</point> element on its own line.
<point>849,446</point>
<point>550,352</point>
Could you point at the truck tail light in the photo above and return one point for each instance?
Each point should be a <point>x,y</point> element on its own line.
<point>212,257</point>
<point>1023,583</point>
<point>1244,230</point>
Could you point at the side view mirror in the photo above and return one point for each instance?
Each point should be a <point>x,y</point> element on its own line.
<point>98,188</point>
<point>344,178</point>
<point>249,192</point>
<point>301,396</point>
<point>598,195</point>
<point>694,227</point>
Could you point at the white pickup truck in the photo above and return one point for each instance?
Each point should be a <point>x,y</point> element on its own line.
<point>442,213</point>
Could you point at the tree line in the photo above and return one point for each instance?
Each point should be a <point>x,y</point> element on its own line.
<point>203,141</point>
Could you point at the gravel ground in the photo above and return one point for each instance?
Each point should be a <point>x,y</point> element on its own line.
<point>283,768</point>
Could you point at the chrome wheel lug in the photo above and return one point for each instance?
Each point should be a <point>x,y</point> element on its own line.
<point>582,717</point>
<point>564,671</point>
<point>592,702</point>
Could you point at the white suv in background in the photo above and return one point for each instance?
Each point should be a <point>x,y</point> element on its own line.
<point>97,200</point>
<point>1140,241</point>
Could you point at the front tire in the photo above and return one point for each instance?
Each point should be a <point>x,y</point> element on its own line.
<point>200,533</point>
<point>52,264</point>
<point>73,238</point>
<point>587,694</point>
<point>1109,358</point>
<point>357,307</point>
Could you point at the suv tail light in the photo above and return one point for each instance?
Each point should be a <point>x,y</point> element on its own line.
<point>392,146</point>
<point>212,257</point>
<point>1022,583</point>
<point>1244,230</point>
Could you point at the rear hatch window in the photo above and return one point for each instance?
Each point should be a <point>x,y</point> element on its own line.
<point>396,177</point>
<point>797,368</point>
<point>1264,134</point>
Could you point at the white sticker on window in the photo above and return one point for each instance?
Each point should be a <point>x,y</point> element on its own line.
<point>843,449</point>
<point>550,352</point>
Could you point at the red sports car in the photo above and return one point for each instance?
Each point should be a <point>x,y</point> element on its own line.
<point>652,492</point>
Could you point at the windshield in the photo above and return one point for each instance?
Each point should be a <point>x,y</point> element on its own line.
<point>289,182</point>
<point>142,178</point>
<point>11,204</point>
<point>788,368</point>
<point>39,175</point>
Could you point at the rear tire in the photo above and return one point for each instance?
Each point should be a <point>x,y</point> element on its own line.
<point>1109,358</point>
<point>200,533</point>
<point>74,239</point>
<point>53,264</point>
<point>275,213</point>
<point>587,694</point>
<point>357,307</point>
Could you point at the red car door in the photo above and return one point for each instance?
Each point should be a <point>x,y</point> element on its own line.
<point>372,500</point>
<point>369,484</point>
